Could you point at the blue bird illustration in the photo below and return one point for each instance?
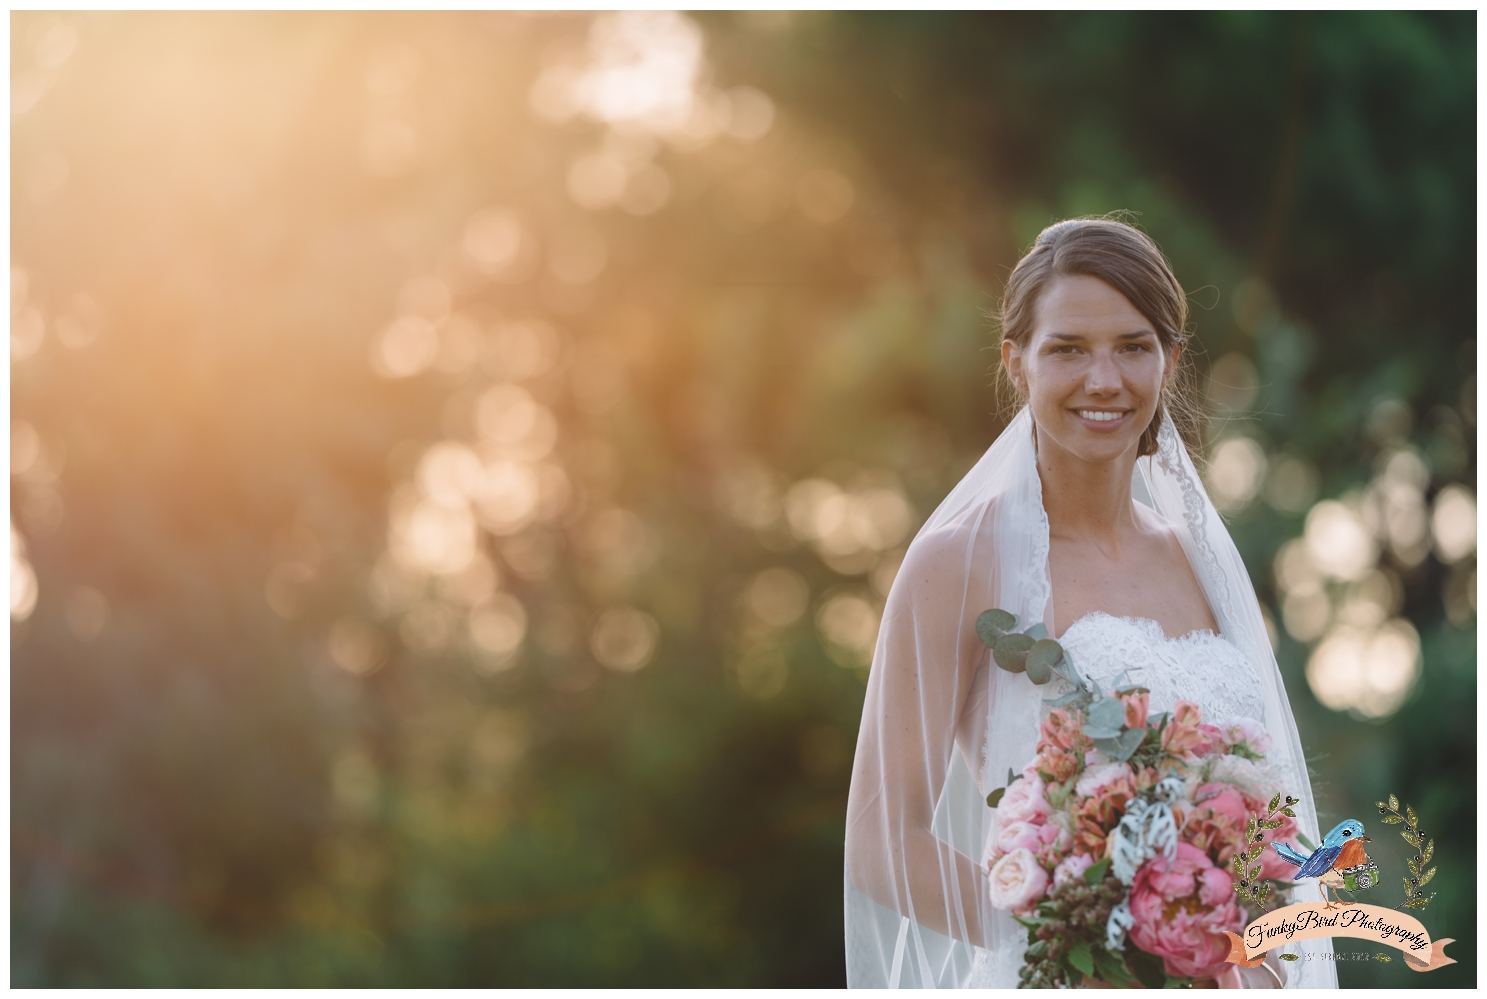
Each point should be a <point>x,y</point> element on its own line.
<point>1341,849</point>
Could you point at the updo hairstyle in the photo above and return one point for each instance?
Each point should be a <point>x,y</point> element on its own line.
<point>1125,258</point>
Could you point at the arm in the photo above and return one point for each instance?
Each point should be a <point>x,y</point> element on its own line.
<point>923,674</point>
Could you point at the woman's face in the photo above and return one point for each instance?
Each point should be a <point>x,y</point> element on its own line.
<point>1092,371</point>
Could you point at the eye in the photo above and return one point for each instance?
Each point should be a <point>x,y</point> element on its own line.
<point>1347,833</point>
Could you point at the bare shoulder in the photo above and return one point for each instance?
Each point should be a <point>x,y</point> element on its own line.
<point>953,557</point>
<point>1159,531</point>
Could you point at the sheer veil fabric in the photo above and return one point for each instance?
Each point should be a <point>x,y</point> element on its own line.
<point>941,725</point>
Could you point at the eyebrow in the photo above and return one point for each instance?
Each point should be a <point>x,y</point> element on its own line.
<point>1076,337</point>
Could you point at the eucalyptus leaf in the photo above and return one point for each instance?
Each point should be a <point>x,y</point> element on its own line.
<point>1011,652</point>
<point>1107,713</point>
<point>993,624</point>
<point>1065,700</point>
<point>1101,734</point>
<point>1038,671</point>
<point>1037,632</point>
<point>1047,651</point>
<point>1129,741</point>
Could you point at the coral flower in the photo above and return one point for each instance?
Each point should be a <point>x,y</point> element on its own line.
<point>1136,708</point>
<point>1185,734</point>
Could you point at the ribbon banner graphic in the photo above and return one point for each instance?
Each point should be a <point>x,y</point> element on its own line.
<point>1363,922</point>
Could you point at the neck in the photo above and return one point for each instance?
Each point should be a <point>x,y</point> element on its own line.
<point>1086,500</point>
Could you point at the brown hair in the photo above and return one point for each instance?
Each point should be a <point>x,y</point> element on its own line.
<point>1125,258</point>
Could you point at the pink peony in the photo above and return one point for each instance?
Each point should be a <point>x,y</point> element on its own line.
<point>1024,801</point>
<point>1016,836</point>
<point>1248,732</point>
<point>1182,910</point>
<point>1137,706</point>
<point>1072,866</point>
<point>1018,882</point>
<point>1218,821</point>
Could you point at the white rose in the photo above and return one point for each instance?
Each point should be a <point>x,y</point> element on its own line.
<point>1017,882</point>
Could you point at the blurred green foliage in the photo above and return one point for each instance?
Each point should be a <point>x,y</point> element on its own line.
<point>202,796</point>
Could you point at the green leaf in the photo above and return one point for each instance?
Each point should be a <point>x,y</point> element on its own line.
<point>1288,813</point>
<point>1111,969</point>
<point>1107,713</point>
<point>995,798</point>
<point>1393,803</point>
<point>1410,838</point>
<point>1382,805</point>
<point>1072,697</point>
<point>1425,878</point>
<point>993,624</point>
<point>1410,814</point>
<point>1031,924</point>
<point>1414,866</point>
<point>1037,632</point>
<point>1391,820</point>
<point>1305,840</point>
<point>1385,958</point>
<point>1042,658</point>
<point>1290,957</point>
<point>1011,651</point>
<point>1146,968</point>
<point>1274,804</point>
<point>1080,958</point>
<point>1417,903</point>
<point>1249,829</point>
<point>1429,852</point>
<point>1095,873</point>
<point>1174,982</point>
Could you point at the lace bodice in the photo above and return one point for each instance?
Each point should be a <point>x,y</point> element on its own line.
<point>1200,666</point>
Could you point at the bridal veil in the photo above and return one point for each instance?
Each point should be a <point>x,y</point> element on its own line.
<point>941,727</point>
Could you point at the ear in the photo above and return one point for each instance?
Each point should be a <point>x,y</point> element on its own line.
<point>1012,362</point>
<point>1171,364</point>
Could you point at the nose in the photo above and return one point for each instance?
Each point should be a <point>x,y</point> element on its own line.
<point>1103,376</point>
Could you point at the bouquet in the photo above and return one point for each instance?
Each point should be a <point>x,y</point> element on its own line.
<point>1132,841</point>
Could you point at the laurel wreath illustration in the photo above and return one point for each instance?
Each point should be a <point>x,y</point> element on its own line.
<point>1420,875</point>
<point>1246,863</point>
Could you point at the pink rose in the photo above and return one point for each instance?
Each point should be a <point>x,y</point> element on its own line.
<point>1096,779</point>
<point>1248,732</point>
<point>1019,836</point>
<point>1024,801</point>
<point>1017,882</point>
<point>1182,910</point>
<point>1072,866</point>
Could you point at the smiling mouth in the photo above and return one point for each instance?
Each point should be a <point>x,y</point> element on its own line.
<point>1101,416</point>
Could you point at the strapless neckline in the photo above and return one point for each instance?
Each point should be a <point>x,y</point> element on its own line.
<point>1148,625</point>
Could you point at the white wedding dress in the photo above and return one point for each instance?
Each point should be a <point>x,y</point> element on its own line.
<point>941,725</point>
<point>1200,667</point>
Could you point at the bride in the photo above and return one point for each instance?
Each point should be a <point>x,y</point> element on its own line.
<point>1086,514</point>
